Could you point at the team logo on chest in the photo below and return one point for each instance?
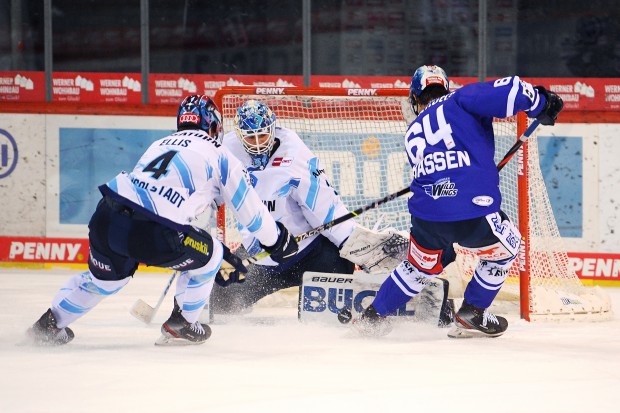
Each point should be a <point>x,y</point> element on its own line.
<point>441,188</point>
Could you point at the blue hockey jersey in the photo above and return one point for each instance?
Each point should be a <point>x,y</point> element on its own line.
<point>451,146</point>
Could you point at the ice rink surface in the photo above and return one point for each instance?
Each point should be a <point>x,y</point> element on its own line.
<point>266,361</point>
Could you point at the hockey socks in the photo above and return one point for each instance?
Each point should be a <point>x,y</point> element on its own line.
<point>390,297</point>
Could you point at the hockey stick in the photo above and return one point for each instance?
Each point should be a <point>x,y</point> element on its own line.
<point>511,152</point>
<point>144,312</point>
<point>528,132</point>
<point>339,220</point>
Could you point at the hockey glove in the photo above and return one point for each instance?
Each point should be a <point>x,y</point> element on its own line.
<point>375,251</point>
<point>224,280</point>
<point>236,274</point>
<point>285,246</point>
<point>552,109</point>
<point>234,260</point>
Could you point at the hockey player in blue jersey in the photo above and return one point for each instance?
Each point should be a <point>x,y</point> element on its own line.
<point>149,216</point>
<point>455,194</point>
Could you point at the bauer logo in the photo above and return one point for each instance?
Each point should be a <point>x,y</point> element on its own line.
<point>8,154</point>
<point>339,280</point>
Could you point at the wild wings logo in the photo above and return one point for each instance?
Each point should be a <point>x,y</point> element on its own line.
<point>441,188</point>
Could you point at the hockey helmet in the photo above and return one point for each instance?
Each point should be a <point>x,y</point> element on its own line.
<point>425,76</point>
<point>200,112</point>
<point>255,125</point>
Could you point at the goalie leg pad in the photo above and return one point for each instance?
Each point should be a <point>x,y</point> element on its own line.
<point>375,251</point>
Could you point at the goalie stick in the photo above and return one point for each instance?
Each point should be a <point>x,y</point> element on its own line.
<point>338,220</point>
<point>524,137</point>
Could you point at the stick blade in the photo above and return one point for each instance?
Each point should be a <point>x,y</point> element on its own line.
<point>142,311</point>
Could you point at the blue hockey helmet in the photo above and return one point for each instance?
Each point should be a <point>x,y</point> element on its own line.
<point>200,112</point>
<point>255,125</point>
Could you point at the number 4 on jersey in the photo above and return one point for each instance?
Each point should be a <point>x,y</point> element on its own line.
<point>159,165</point>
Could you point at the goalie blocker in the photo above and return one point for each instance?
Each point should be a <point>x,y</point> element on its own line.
<point>325,297</point>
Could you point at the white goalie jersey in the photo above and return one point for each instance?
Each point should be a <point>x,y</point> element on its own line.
<point>295,190</point>
<point>182,175</point>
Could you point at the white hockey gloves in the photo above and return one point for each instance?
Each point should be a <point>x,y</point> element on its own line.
<point>375,251</point>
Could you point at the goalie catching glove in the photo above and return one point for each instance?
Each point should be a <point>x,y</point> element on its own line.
<point>375,251</point>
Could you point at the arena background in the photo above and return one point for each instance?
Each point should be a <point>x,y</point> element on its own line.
<point>72,83</point>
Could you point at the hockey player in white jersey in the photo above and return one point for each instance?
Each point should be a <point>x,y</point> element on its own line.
<point>148,216</point>
<point>292,184</point>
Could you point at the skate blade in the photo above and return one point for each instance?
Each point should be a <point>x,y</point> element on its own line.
<point>142,311</point>
<point>168,341</point>
<point>458,332</point>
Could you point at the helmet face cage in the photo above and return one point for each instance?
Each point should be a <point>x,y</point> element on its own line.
<point>253,120</point>
<point>423,77</point>
<point>200,112</point>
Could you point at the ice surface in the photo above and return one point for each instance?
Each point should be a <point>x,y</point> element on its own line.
<point>266,361</point>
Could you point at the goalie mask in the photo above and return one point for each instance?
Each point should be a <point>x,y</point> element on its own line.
<point>424,77</point>
<point>200,112</point>
<point>255,126</point>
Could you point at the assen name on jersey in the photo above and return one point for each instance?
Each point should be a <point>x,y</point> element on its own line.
<point>441,161</point>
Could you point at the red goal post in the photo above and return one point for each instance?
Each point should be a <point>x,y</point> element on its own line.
<point>358,134</point>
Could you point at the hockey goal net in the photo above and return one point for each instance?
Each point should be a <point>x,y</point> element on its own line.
<point>358,135</point>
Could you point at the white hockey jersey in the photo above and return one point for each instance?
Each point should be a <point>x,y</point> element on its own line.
<point>181,175</point>
<point>295,190</point>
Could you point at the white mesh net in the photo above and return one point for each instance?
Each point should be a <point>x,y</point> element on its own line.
<point>359,140</point>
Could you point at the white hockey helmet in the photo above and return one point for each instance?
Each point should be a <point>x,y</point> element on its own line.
<point>423,77</point>
<point>428,75</point>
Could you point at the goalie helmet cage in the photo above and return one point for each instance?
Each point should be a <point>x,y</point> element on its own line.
<point>358,136</point>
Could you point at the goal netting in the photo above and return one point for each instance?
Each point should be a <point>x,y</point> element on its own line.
<point>358,135</point>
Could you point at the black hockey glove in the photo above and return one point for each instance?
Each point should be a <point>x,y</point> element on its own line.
<point>552,108</point>
<point>235,276</point>
<point>285,246</point>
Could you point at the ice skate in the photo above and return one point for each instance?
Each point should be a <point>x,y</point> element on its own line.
<point>45,332</point>
<point>471,321</point>
<point>371,324</point>
<point>177,331</point>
